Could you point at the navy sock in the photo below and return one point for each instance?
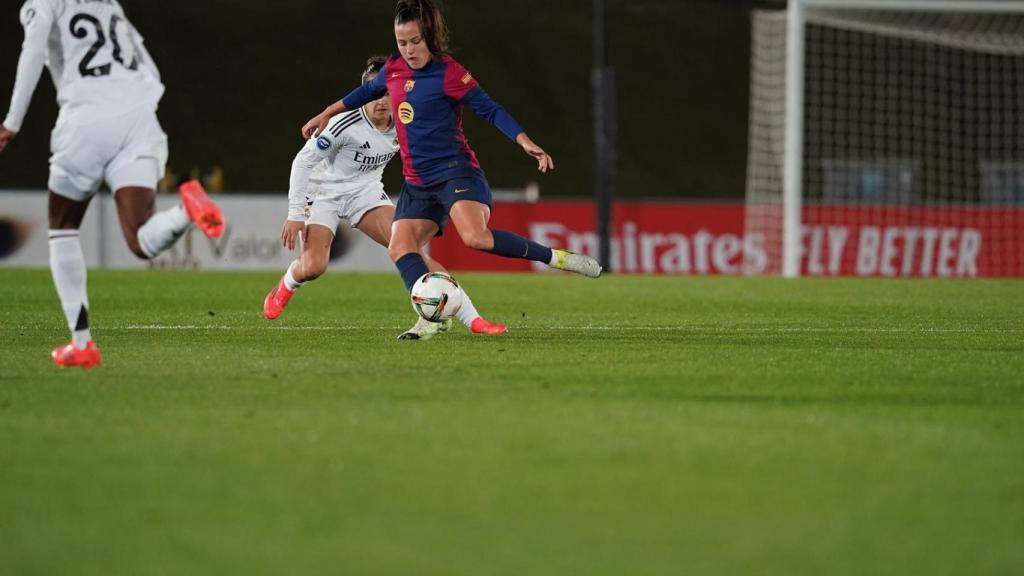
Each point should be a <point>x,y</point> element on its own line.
<point>411,267</point>
<point>512,245</point>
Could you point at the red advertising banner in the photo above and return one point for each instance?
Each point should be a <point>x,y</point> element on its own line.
<point>650,238</point>
<point>913,242</point>
<point>706,238</point>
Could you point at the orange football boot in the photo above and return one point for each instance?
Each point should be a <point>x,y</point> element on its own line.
<point>200,209</point>
<point>276,300</point>
<point>481,326</point>
<point>67,356</point>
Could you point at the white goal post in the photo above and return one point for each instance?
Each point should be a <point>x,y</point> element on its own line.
<point>888,113</point>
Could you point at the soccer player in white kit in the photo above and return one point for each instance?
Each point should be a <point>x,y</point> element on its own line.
<point>108,88</point>
<point>338,176</point>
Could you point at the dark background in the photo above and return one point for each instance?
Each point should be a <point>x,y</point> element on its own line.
<point>242,77</point>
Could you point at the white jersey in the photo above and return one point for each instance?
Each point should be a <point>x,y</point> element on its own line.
<point>348,157</point>
<point>98,62</point>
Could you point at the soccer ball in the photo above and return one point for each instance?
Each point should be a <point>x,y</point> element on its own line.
<point>436,296</point>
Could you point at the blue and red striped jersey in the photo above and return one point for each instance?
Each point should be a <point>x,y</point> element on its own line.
<point>427,106</point>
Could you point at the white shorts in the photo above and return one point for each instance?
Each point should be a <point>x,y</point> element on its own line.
<point>330,207</point>
<point>129,150</point>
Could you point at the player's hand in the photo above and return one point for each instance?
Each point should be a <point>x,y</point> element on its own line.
<point>5,137</point>
<point>292,229</point>
<point>315,126</point>
<point>544,161</point>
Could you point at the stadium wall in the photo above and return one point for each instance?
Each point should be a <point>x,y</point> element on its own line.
<point>701,238</point>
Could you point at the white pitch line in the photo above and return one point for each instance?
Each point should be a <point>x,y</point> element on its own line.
<point>226,327</point>
<point>622,328</point>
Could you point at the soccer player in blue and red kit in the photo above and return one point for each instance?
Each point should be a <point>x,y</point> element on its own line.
<point>442,176</point>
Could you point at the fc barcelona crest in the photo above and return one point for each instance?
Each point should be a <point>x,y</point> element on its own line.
<point>409,85</point>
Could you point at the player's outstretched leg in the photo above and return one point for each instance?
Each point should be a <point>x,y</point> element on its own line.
<point>512,245</point>
<point>471,218</point>
<point>67,264</point>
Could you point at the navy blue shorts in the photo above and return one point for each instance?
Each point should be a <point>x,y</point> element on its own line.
<point>434,202</point>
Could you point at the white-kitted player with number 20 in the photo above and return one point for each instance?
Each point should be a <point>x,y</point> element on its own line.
<point>108,88</point>
<point>335,176</point>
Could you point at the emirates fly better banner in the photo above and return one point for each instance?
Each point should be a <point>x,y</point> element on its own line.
<point>650,238</point>
<point>677,238</point>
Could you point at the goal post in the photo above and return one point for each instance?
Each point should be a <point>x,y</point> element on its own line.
<point>792,175</point>
<point>887,138</point>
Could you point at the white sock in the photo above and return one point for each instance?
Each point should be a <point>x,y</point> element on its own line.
<point>162,230</point>
<point>67,264</point>
<point>289,279</point>
<point>467,312</point>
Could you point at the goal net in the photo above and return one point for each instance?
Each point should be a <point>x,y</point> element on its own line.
<point>887,139</point>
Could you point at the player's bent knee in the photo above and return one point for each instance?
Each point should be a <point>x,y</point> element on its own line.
<point>311,266</point>
<point>478,241</point>
<point>314,269</point>
<point>130,226</point>
<point>398,249</point>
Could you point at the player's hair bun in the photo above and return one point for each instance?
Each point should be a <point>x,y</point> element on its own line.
<point>373,66</point>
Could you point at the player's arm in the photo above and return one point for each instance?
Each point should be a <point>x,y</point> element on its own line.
<point>368,92</point>
<point>491,111</point>
<point>298,184</point>
<point>312,154</point>
<point>460,85</point>
<point>36,19</point>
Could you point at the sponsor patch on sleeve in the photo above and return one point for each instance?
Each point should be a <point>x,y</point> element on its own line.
<point>323,142</point>
<point>467,78</point>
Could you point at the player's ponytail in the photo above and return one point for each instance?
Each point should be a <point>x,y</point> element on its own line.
<point>373,67</point>
<point>431,20</point>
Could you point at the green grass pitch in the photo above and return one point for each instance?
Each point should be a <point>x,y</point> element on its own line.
<point>626,425</point>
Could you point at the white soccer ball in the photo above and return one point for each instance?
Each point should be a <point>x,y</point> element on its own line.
<point>436,296</point>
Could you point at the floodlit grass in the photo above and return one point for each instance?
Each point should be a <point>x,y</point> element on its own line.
<point>626,425</point>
